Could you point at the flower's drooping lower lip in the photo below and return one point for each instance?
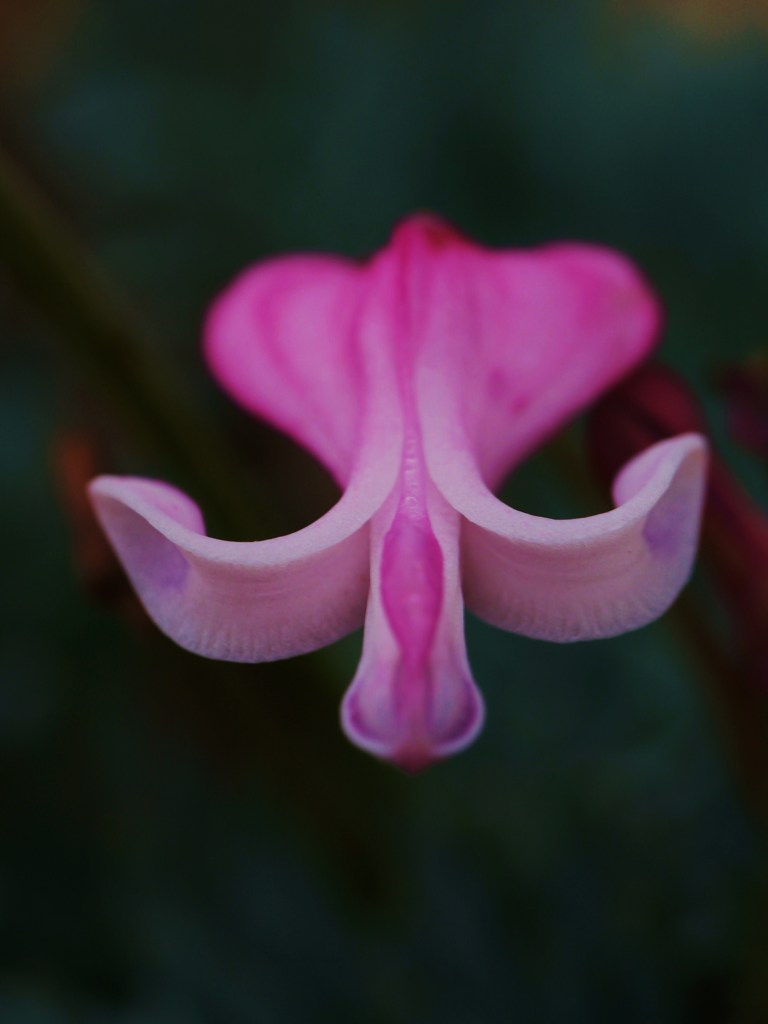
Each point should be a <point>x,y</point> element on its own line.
<point>413,699</point>
<point>419,378</point>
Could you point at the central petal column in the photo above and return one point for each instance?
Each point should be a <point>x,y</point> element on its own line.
<point>413,699</point>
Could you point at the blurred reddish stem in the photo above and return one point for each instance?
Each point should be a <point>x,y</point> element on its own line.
<point>746,392</point>
<point>652,404</point>
<point>75,459</point>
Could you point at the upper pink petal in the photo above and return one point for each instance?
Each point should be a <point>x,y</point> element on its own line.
<point>515,343</point>
<point>511,343</point>
<point>581,579</point>
<point>280,340</point>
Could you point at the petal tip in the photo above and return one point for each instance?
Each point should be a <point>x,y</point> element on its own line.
<point>370,721</point>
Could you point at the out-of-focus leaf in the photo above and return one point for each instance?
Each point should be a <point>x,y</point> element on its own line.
<point>31,32</point>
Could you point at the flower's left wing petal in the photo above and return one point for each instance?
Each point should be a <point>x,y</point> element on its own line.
<point>281,340</point>
<point>239,601</point>
<point>581,579</point>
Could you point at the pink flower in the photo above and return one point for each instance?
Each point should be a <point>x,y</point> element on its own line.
<point>420,378</point>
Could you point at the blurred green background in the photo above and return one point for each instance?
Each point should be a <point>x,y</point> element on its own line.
<point>196,843</point>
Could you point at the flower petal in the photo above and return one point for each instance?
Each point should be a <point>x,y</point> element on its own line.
<point>517,342</point>
<point>413,699</point>
<point>581,579</point>
<point>280,340</point>
<point>241,601</point>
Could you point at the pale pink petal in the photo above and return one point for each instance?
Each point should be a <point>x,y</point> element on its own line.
<point>281,341</point>
<point>581,579</point>
<point>413,699</point>
<point>241,601</point>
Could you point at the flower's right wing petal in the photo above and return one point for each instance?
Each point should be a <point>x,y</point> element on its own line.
<point>239,601</point>
<point>582,579</point>
<point>517,342</point>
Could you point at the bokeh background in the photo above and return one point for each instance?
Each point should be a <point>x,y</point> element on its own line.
<point>194,843</point>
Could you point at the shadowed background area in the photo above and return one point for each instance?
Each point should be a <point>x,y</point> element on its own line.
<point>187,842</point>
